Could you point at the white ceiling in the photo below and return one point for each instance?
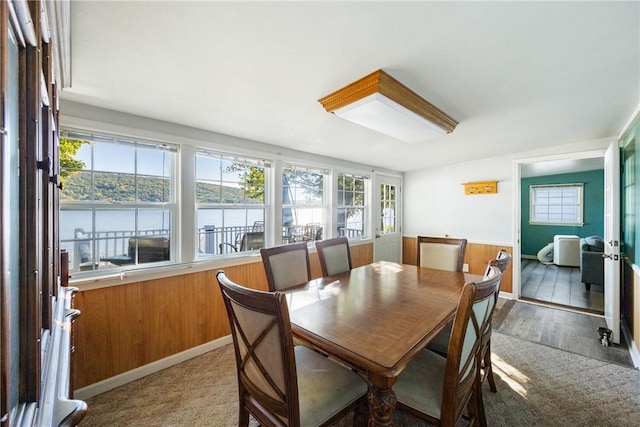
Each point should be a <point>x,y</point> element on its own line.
<point>554,167</point>
<point>516,75</point>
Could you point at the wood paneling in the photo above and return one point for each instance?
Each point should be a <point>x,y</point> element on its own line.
<point>361,255</point>
<point>477,255</point>
<point>128,326</point>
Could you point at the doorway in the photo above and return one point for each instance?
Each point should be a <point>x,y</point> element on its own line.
<point>545,278</point>
<point>387,212</point>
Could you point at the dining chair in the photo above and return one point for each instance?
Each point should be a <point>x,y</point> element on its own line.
<point>502,262</point>
<point>442,253</point>
<point>286,265</point>
<point>279,384</point>
<point>437,389</point>
<point>334,255</point>
<point>440,342</point>
<point>503,259</point>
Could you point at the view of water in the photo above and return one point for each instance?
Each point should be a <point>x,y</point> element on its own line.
<point>120,220</point>
<point>113,229</point>
<point>112,220</point>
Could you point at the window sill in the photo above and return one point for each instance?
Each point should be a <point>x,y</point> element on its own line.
<point>124,277</point>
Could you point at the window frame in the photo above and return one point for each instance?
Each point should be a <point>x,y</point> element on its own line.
<point>562,207</point>
<point>184,242</point>
<point>166,248</point>
<point>308,231</point>
<point>366,205</point>
<point>201,232</point>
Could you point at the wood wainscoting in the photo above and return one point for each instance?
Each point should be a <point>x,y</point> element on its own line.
<point>477,255</point>
<point>128,326</point>
<point>631,307</point>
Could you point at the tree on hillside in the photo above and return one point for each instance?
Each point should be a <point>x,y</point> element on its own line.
<point>68,162</point>
<point>253,178</point>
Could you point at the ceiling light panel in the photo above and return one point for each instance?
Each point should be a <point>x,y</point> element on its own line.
<point>380,102</point>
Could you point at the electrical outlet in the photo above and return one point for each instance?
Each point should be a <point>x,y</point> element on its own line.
<point>465,268</point>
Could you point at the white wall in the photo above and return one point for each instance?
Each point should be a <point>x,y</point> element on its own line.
<point>435,203</point>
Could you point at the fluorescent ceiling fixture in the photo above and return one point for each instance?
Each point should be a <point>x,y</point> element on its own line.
<point>380,102</point>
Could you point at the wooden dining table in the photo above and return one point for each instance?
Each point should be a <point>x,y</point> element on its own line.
<point>376,319</point>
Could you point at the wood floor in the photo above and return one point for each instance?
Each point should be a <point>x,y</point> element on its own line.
<point>560,328</point>
<point>559,285</point>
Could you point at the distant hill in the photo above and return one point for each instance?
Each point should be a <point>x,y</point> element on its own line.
<point>120,188</point>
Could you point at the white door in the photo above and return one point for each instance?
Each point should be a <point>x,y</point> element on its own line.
<point>612,240</point>
<point>387,219</point>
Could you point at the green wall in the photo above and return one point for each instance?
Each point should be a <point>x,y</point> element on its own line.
<point>535,237</point>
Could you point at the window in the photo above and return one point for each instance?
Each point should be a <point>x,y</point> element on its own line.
<point>351,205</point>
<point>556,204</point>
<point>388,209</point>
<point>303,204</point>
<point>230,200</point>
<point>628,193</point>
<point>117,204</point>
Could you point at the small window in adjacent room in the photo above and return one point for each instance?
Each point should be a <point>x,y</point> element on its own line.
<point>556,204</point>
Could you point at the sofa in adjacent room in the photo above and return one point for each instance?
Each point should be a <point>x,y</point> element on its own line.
<point>591,261</point>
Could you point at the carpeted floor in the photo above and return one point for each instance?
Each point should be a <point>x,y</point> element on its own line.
<point>537,386</point>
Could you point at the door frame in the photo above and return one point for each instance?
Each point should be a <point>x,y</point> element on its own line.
<point>612,240</point>
<point>376,213</point>
<point>517,197</point>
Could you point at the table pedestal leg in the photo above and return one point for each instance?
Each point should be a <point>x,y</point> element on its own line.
<point>382,403</point>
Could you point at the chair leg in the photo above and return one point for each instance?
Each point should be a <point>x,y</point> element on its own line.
<point>243,416</point>
<point>475,406</point>
<point>588,286</point>
<point>488,368</point>
<point>480,415</point>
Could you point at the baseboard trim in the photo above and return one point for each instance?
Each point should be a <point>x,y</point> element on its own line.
<point>633,349</point>
<point>142,371</point>
<point>506,295</point>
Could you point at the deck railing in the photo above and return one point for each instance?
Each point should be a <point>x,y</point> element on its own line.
<point>89,250</point>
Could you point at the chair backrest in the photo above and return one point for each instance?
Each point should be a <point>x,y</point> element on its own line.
<point>265,359</point>
<point>473,314</point>
<point>492,268</point>
<point>286,265</point>
<point>501,266</point>
<point>442,253</point>
<point>334,255</point>
<point>503,259</point>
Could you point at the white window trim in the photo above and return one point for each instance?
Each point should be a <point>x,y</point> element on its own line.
<point>187,140</point>
<point>173,205</point>
<point>580,219</point>
<point>265,206</point>
<point>367,201</point>
<point>328,190</point>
